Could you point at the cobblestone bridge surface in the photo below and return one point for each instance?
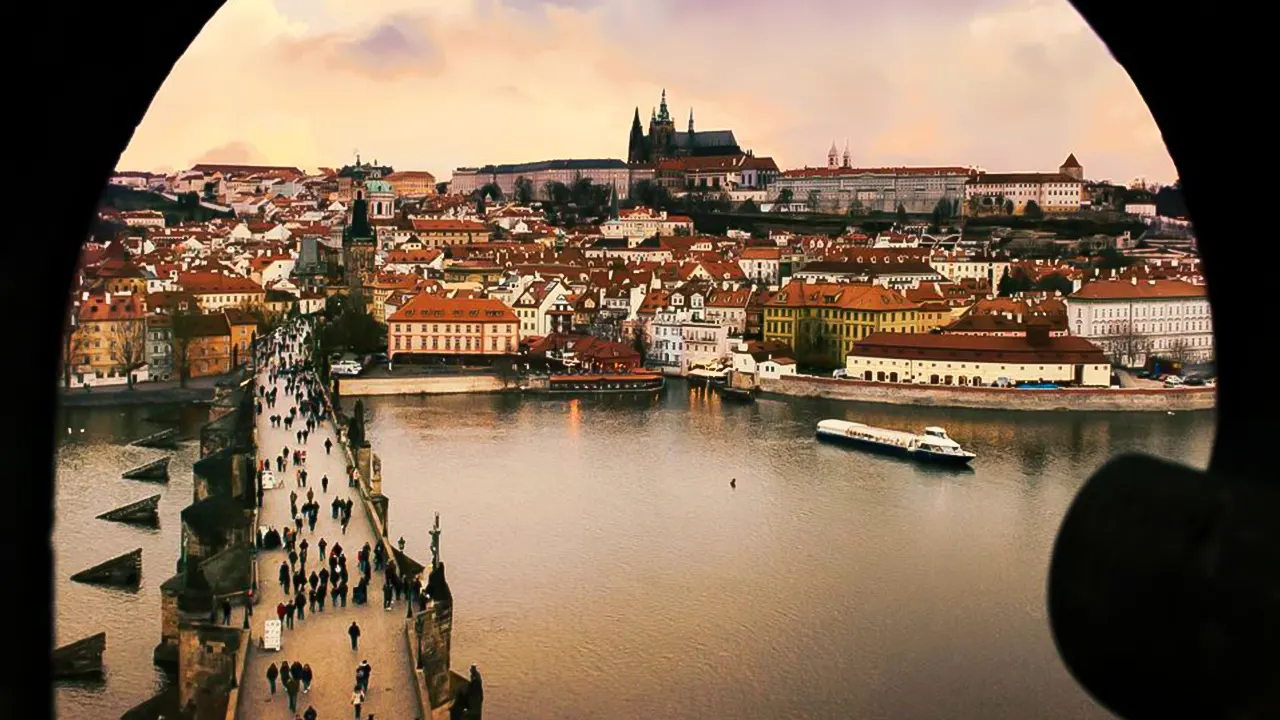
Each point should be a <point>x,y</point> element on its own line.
<point>321,639</point>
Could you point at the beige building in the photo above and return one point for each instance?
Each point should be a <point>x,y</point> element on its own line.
<point>412,183</point>
<point>977,360</point>
<point>434,325</point>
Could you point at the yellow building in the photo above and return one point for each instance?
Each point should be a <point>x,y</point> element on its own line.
<point>110,336</point>
<point>826,319</point>
<point>412,183</point>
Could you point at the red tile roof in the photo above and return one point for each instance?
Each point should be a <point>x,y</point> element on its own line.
<point>1142,290</point>
<point>429,307</point>
<point>979,348</point>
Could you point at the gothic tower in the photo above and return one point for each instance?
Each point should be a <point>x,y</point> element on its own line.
<point>690,121</point>
<point>662,130</point>
<point>636,151</point>
<point>845,161</point>
<point>832,155</point>
<point>358,242</point>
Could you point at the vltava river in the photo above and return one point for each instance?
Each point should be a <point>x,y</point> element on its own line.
<point>603,568</point>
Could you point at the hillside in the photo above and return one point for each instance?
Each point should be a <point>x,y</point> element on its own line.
<point>125,199</point>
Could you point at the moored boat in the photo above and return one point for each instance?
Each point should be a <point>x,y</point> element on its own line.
<point>933,446</point>
<point>605,383</point>
<point>734,394</point>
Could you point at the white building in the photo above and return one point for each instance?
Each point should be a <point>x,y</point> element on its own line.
<point>761,264</point>
<point>533,305</point>
<point>1062,191</point>
<point>704,342</point>
<point>1135,319</point>
<point>643,222</point>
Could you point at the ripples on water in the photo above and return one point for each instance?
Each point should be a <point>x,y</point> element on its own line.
<point>604,568</point>
<point>88,484</point>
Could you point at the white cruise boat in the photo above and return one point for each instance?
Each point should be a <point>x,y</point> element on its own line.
<point>933,446</point>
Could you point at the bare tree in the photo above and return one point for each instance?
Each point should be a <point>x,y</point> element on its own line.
<point>128,346</point>
<point>183,322</point>
<point>1180,353</point>
<point>1128,345</point>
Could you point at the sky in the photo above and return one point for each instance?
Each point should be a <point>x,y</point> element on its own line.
<point>1005,85</point>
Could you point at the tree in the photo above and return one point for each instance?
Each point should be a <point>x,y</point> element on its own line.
<point>856,209</point>
<point>1008,207</point>
<point>524,190</point>
<point>902,215</point>
<point>558,193</point>
<point>581,192</point>
<point>1111,259</point>
<point>973,205</point>
<point>813,200</point>
<point>785,196</point>
<point>490,191</point>
<point>1033,211</point>
<point>748,206</point>
<point>637,342</point>
<point>1180,353</point>
<point>128,346</point>
<point>814,344</point>
<point>184,321</point>
<point>1056,282</point>
<point>1127,346</point>
<point>1013,283</point>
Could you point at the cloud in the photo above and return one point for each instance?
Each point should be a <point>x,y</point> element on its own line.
<point>437,84</point>
<point>234,153</point>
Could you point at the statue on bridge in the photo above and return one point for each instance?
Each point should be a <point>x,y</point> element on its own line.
<point>435,543</point>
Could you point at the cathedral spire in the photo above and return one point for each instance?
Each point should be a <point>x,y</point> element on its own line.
<point>691,121</point>
<point>663,114</point>
<point>846,159</point>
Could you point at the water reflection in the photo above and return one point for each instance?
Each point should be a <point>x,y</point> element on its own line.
<point>596,539</point>
<point>88,483</point>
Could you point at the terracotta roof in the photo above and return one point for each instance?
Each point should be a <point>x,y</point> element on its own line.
<point>433,307</point>
<point>1071,161</point>
<point>1015,178</point>
<point>119,307</point>
<point>420,225</point>
<point>203,283</point>
<point>837,172</point>
<point>979,348</point>
<point>846,296</point>
<point>1142,290</point>
<point>761,253</point>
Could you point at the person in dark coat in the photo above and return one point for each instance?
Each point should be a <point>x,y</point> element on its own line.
<point>354,632</point>
<point>226,612</point>
<point>301,603</point>
<point>328,445</point>
<point>310,714</point>
<point>291,687</point>
<point>289,611</point>
<point>284,577</point>
<point>306,678</point>
<point>272,673</point>
<point>295,671</point>
<point>322,545</point>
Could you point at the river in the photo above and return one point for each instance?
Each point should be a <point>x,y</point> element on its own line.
<point>603,568</point>
<point>90,460</point>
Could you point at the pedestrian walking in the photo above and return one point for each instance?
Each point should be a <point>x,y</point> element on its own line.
<point>306,678</point>
<point>289,611</point>
<point>357,697</point>
<point>301,602</point>
<point>323,545</point>
<point>284,577</point>
<point>324,483</point>
<point>272,673</point>
<point>280,612</point>
<point>386,596</point>
<point>400,543</point>
<point>310,714</point>
<point>353,631</point>
<point>295,672</point>
<point>311,600</point>
<point>291,688</point>
<point>226,612</point>
<point>362,673</point>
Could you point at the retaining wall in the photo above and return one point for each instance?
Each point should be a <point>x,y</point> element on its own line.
<point>426,385</point>
<point>1087,399</point>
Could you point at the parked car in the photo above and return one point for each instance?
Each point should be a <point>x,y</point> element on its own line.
<point>1172,381</point>
<point>346,367</point>
<point>1143,374</point>
<point>841,373</point>
<point>1194,381</point>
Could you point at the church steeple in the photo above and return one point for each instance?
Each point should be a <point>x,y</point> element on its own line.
<point>690,121</point>
<point>635,143</point>
<point>663,114</point>
<point>832,155</point>
<point>846,158</point>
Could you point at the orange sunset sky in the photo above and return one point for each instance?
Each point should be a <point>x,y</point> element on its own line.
<point>436,84</point>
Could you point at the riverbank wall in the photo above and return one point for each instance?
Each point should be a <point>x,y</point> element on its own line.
<point>422,385</point>
<point>984,398</point>
<point>139,396</point>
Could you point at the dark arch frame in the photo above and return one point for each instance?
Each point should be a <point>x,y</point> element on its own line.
<point>1138,647</point>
